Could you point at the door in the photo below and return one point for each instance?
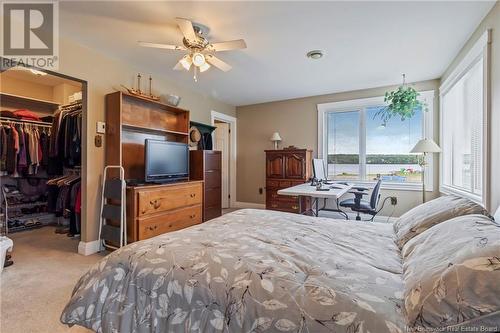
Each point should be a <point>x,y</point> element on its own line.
<point>222,143</point>
<point>274,165</point>
<point>295,166</point>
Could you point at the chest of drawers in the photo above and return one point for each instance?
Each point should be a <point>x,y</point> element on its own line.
<point>286,168</point>
<point>157,209</point>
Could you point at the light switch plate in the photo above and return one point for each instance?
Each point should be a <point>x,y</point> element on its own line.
<point>101,127</point>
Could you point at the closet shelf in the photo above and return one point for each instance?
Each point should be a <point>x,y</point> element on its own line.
<point>27,205</point>
<point>24,121</point>
<point>29,101</point>
<point>24,227</point>
<point>152,130</point>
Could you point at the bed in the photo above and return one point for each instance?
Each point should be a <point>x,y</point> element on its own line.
<point>252,271</point>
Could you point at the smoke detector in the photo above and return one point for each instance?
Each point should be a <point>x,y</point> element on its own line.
<point>315,54</point>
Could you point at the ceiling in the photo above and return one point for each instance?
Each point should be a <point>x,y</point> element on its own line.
<point>46,80</point>
<point>367,44</point>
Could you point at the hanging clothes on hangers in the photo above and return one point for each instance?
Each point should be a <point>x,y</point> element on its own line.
<point>21,150</point>
<point>65,143</point>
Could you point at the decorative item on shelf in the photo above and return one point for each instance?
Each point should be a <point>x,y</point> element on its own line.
<point>423,147</point>
<point>169,99</point>
<point>275,138</point>
<point>402,103</point>
<point>194,136</point>
<point>292,147</point>
<point>138,92</point>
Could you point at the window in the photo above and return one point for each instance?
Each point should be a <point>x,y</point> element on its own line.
<point>463,120</point>
<point>357,147</point>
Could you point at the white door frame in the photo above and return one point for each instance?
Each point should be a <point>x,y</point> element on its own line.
<point>214,115</point>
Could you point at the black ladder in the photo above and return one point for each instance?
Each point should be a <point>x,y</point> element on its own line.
<point>113,209</point>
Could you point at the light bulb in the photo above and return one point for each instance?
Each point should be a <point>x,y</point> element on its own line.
<point>186,62</point>
<point>198,59</point>
<point>204,67</point>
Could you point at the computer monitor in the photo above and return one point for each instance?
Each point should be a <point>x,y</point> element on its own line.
<point>319,169</point>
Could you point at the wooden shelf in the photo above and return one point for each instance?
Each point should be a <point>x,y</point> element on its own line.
<point>147,129</point>
<point>157,103</point>
<point>27,102</point>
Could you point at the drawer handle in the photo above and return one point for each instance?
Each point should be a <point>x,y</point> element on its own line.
<point>193,195</point>
<point>155,203</point>
<point>295,207</point>
<point>192,216</point>
<point>152,228</point>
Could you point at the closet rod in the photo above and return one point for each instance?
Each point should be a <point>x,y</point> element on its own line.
<point>22,122</point>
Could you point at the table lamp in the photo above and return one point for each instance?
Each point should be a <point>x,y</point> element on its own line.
<point>423,147</point>
<point>276,138</point>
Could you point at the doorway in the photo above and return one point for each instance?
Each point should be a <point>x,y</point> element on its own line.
<point>39,107</point>
<point>224,138</point>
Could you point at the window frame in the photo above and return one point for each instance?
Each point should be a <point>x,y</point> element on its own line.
<point>358,104</point>
<point>480,50</point>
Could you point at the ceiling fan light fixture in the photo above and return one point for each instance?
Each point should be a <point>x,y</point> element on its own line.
<point>204,67</point>
<point>198,59</point>
<point>186,62</point>
<point>315,54</point>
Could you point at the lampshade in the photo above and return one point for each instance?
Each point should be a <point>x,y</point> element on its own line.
<point>276,137</point>
<point>426,146</point>
<point>186,62</point>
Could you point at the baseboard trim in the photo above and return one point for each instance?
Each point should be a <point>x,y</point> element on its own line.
<point>241,204</point>
<point>88,248</point>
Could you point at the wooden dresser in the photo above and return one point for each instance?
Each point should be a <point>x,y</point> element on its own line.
<point>151,209</point>
<point>286,168</point>
<point>156,209</point>
<point>206,165</point>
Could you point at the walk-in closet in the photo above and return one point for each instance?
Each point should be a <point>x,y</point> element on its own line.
<point>41,139</point>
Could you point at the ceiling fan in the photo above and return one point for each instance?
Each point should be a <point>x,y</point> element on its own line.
<point>200,54</point>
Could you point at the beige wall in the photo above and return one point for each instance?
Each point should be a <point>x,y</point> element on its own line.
<point>102,74</point>
<point>297,122</point>
<point>14,86</point>
<point>491,21</point>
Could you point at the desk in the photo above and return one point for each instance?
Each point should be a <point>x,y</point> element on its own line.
<point>306,190</point>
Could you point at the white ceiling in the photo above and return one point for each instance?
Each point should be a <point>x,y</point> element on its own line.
<point>367,44</point>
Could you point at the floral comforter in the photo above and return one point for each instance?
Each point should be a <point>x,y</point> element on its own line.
<point>248,271</point>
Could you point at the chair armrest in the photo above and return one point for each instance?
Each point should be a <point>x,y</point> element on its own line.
<point>358,193</point>
<point>358,188</point>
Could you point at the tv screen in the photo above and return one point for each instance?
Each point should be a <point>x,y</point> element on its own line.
<point>166,161</point>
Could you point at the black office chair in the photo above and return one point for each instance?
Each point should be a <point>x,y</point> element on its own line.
<point>357,204</point>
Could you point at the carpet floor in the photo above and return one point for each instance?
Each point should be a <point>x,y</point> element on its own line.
<point>34,291</point>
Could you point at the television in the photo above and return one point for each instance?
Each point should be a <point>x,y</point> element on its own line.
<point>166,161</point>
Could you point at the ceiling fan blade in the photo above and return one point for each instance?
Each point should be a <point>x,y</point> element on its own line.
<point>227,46</point>
<point>162,46</point>
<point>214,61</point>
<point>187,29</point>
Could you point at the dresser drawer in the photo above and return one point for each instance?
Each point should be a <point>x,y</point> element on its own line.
<point>273,195</point>
<point>154,201</point>
<point>272,184</point>
<point>170,221</point>
<point>283,205</point>
<point>213,179</point>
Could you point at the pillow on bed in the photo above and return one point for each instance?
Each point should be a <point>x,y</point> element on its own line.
<point>451,274</point>
<point>431,213</point>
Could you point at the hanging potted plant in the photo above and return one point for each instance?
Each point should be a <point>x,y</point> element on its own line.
<point>402,103</point>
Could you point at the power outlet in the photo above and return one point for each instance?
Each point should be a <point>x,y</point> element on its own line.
<point>394,201</point>
<point>261,190</point>
<point>98,141</point>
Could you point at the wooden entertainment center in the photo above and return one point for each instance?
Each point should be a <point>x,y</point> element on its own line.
<point>151,209</point>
